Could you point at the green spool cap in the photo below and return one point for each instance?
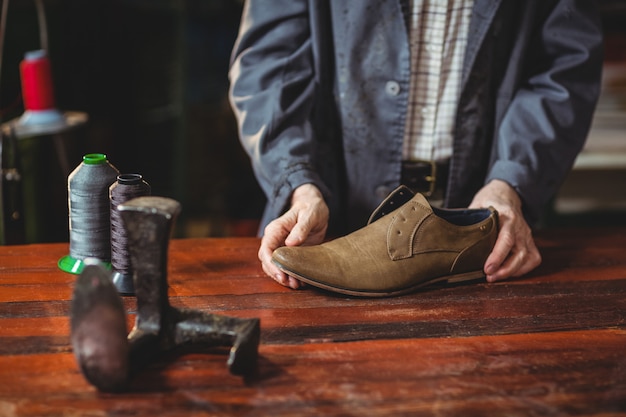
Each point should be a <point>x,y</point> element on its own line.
<point>75,266</point>
<point>94,158</point>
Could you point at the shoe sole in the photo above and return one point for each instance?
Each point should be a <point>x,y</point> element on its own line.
<point>449,279</point>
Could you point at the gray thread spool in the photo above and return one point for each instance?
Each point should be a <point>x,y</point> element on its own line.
<point>89,212</point>
<point>127,187</point>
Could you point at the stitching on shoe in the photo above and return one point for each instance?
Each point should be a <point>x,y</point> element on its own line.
<point>395,239</point>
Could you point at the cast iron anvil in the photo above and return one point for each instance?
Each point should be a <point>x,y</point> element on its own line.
<point>108,357</point>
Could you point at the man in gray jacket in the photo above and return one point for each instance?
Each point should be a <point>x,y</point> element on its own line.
<point>330,101</point>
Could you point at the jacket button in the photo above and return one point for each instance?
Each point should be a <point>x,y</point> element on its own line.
<point>392,88</point>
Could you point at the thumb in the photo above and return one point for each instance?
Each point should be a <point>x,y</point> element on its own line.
<point>298,234</point>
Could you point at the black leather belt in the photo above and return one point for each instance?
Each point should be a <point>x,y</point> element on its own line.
<point>426,177</point>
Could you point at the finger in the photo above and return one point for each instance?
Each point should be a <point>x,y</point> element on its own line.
<point>269,243</point>
<point>500,252</point>
<point>279,276</point>
<point>270,269</point>
<point>523,259</point>
<point>509,267</point>
<point>275,273</point>
<point>294,283</point>
<point>297,235</point>
<point>265,256</point>
<point>299,232</point>
<point>531,260</point>
<point>273,238</point>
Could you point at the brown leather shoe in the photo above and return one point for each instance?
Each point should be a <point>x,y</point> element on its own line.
<point>412,246</point>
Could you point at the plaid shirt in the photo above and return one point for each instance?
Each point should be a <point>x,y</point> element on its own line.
<point>438,37</point>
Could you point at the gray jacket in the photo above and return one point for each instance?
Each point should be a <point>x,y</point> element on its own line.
<point>320,90</point>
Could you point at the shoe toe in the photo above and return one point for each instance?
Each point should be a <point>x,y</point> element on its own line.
<point>326,268</point>
<point>304,262</point>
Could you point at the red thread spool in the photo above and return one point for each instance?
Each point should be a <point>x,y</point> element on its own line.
<point>37,90</point>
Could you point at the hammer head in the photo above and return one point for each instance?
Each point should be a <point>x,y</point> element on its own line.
<point>99,335</point>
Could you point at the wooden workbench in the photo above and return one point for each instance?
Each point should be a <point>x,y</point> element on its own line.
<point>553,343</point>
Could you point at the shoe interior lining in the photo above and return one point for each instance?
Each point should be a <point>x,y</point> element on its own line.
<point>462,217</point>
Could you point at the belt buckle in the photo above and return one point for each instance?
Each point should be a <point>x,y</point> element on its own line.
<point>432,178</point>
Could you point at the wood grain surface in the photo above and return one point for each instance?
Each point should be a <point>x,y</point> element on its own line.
<point>549,344</point>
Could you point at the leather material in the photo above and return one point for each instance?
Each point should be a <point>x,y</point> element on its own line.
<point>410,247</point>
<point>395,199</point>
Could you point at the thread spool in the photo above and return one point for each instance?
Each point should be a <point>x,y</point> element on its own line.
<point>127,187</point>
<point>89,212</point>
<point>36,74</point>
<point>40,115</point>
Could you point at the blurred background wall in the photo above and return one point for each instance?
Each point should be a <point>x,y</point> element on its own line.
<point>151,75</point>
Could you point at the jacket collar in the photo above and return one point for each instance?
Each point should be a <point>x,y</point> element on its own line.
<point>482,16</point>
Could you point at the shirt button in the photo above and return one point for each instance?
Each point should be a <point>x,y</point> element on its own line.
<point>392,88</point>
<point>382,191</point>
<point>427,111</point>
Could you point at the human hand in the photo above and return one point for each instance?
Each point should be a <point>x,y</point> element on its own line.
<point>305,223</point>
<point>515,252</point>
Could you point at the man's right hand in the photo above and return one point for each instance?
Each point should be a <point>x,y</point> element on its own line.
<point>305,223</point>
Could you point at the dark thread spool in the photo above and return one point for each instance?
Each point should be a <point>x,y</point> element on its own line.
<point>89,212</point>
<point>127,187</point>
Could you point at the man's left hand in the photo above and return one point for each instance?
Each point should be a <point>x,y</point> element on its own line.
<point>515,253</point>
